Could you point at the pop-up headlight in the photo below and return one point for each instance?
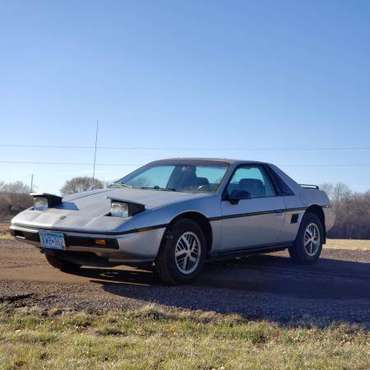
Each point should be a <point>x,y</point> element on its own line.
<point>119,209</point>
<point>40,204</point>
<point>43,201</point>
<point>122,208</point>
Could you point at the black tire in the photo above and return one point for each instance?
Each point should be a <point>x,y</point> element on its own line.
<point>61,264</point>
<point>166,266</point>
<point>298,252</point>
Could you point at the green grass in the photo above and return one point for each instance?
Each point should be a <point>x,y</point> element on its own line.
<point>151,338</point>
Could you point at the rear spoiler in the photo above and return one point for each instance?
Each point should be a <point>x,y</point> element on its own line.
<point>308,186</point>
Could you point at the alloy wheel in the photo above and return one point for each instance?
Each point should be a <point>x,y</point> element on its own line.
<point>188,252</point>
<point>312,239</point>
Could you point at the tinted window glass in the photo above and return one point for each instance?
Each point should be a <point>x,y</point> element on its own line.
<point>284,189</point>
<point>252,179</point>
<point>152,177</point>
<point>214,174</point>
<point>177,177</point>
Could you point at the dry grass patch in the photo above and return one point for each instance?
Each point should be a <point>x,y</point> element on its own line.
<point>153,338</point>
<point>351,244</point>
<point>4,231</point>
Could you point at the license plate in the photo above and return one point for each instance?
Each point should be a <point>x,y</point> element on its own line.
<point>52,240</point>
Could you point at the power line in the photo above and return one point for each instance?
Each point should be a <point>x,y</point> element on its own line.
<point>46,146</point>
<point>140,164</point>
<point>69,163</point>
<point>145,148</point>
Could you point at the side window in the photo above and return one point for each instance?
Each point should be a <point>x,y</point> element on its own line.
<point>210,176</point>
<point>252,179</point>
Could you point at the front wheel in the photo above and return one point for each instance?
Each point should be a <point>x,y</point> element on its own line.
<point>61,264</point>
<point>308,244</point>
<point>182,254</point>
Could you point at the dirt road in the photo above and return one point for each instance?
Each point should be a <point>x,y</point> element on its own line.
<point>264,287</point>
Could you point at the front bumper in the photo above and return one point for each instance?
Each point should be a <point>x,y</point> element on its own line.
<point>129,248</point>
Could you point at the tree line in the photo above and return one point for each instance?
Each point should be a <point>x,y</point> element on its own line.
<point>352,209</point>
<point>15,196</point>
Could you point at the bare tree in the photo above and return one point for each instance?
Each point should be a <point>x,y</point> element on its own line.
<point>340,191</point>
<point>328,188</point>
<point>14,197</point>
<point>352,212</point>
<point>17,187</point>
<point>79,184</point>
<point>336,192</point>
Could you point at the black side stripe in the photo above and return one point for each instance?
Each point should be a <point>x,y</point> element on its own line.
<point>295,209</point>
<point>249,214</point>
<point>142,229</point>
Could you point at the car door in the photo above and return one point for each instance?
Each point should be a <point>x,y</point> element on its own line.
<point>252,212</point>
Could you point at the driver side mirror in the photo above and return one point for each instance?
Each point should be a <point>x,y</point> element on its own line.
<point>237,195</point>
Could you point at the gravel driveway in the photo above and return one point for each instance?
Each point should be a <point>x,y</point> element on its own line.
<point>264,287</point>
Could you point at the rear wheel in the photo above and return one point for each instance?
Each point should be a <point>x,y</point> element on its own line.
<point>61,264</point>
<point>308,244</point>
<point>182,254</point>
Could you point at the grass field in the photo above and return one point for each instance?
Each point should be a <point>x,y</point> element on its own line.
<point>153,337</point>
<point>150,338</point>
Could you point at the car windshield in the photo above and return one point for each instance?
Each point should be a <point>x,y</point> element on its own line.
<point>175,177</point>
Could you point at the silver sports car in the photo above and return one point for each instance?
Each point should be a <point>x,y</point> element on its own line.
<point>175,214</point>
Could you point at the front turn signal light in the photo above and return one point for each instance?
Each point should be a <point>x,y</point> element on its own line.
<point>101,242</point>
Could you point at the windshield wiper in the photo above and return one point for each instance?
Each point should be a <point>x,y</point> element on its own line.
<point>157,188</point>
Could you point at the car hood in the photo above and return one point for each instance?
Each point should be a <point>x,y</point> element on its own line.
<point>151,199</point>
<point>86,211</point>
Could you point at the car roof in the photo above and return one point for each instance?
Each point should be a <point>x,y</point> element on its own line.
<point>204,161</point>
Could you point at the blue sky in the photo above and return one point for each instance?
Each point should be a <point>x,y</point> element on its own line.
<point>277,81</point>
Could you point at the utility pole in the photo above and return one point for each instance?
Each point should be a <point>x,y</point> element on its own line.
<point>95,149</point>
<point>31,186</point>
